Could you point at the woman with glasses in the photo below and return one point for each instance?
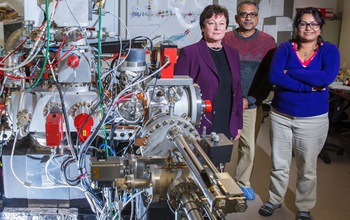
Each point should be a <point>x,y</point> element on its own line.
<point>215,67</point>
<point>302,69</point>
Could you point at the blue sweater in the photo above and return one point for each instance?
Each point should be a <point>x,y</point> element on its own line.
<point>293,94</point>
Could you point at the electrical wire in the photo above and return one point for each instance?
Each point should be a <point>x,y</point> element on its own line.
<point>3,85</point>
<point>73,15</point>
<point>48,22</point>
<point>13,51</point>
<point>133,197</point>
<point>59,48</point>
<point>78,152</point>
<point>32,55</point>
<point>86,144</point>
<point>35,49</point>
<point>64,166</point>
<point>127,37</point>
<point>106,146</point>
<point>99,39</point>
<point>147,207</point>
<point>27,184</point>
<point>49,176</point>
<point>64,111</point>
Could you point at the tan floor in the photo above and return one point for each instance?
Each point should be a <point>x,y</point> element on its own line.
<point>333,184</point>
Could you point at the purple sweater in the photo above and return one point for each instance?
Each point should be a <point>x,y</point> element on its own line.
<point>293,94</point>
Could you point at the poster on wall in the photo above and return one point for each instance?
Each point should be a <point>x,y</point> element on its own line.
<point>171,21</point>
<point>231,6</point>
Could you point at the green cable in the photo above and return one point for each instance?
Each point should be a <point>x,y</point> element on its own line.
<point>99,75</point>
<point>47,45</point>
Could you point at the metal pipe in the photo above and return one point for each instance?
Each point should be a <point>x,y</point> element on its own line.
<point>180,144</point>
<point>203,155</point>
<point>189,151</point>
<point>190,207</point>
<point>209,214</point>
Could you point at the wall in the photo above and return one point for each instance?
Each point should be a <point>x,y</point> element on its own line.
<point>316,3</point>
<point>344,45</point>
<point>339,6</point>
<point>16,4</point>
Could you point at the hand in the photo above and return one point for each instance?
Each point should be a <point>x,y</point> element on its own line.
<point>245,104</point>
<point>318,89</point>
<point>239,132</point>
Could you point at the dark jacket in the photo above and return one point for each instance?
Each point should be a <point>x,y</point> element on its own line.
<point>195,60</point>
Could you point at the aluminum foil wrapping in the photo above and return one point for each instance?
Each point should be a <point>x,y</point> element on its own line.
<point>39,214</point>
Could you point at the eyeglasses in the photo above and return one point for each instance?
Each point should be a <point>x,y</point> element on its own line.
<point>313,25</point>
<point>245,14</point>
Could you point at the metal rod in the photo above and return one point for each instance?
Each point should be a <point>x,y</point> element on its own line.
<point>204,155</point>
<point>190,207</point>
<point>180,144</point>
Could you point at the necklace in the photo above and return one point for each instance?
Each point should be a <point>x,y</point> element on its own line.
<point>217,49</point>
<point>306,52</point>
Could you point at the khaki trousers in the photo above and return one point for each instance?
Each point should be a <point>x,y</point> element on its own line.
<point>246,147</point>
<point>306,137</point>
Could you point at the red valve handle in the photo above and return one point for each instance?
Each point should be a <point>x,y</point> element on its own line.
<point>73,61</point>
<point>207,106</point>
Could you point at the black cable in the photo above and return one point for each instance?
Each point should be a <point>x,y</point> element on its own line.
<point>138,37</point>
<point>65,163</point>
<point>111,138</point>
<point>114,61</point>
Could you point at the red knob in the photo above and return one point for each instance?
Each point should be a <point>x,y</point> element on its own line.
<point>207,107</point>
<point>73,61</point>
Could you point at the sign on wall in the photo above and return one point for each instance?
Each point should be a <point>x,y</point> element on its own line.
<point>173,21</point>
